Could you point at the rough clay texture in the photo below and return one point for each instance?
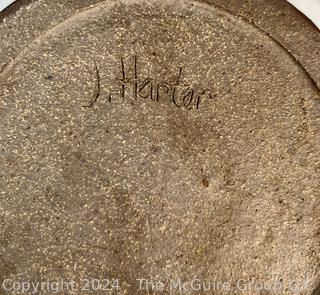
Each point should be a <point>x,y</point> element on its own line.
<point>160,139</point>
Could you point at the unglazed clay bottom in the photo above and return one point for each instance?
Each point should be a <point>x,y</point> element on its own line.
<point>162,140</point>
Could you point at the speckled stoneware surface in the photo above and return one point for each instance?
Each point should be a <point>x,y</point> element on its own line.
<point>159,142</point>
